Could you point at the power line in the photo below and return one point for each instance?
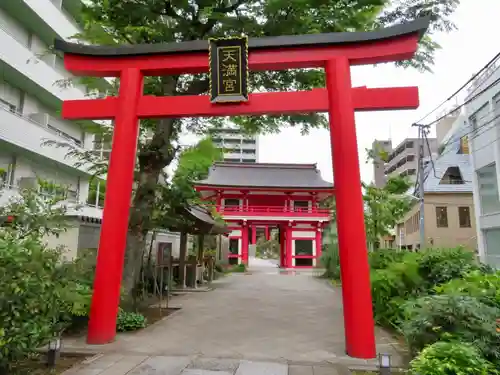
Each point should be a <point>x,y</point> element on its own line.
<point>488,64</point>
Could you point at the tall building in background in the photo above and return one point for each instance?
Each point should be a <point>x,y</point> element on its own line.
<point>401,160</point>
<point>30,98</point>
<point>238,147</point>
<point>483,115</point>
<point>380,147</point>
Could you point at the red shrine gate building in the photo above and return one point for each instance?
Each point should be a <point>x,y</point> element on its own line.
<point>256,196</point>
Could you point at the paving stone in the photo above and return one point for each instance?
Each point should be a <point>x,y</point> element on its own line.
<point>161,366</point>
<point>105,361</point>
<point>215,364</point>
<point>300,370</point>
<point>124,365</point>
<point>323,370</point>
<point>193,371</point>
<point>261,368</point>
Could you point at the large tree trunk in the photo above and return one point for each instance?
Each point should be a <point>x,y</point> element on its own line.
<point>182,260</point>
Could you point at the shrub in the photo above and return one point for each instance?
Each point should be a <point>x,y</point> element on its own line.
<point>239,268</point>
<point>438,266</point>
<point>129,321</point>
<point>436,318</point>
<point>330,260</point>
<point>30,303</point>
<point>391,287</point>
<point>485,287</point>
<point>382,258</point>
<point>451,358</point>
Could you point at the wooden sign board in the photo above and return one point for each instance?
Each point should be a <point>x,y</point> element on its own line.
<point>228,70</point>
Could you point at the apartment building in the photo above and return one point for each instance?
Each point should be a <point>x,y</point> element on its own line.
<point>483,115</point>
<point>401,160</point>
<point>33,83</point>
<point>448,200</point>
<point>380,148</point>
<point>238,147</point>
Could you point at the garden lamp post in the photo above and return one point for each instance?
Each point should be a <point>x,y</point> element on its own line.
<point>384,362</point>
<point>53,351</point>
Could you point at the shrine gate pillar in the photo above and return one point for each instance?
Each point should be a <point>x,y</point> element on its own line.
<point>113,239</point>
<point>354,268</point>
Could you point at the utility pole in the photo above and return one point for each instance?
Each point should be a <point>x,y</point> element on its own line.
<point>421,180</point>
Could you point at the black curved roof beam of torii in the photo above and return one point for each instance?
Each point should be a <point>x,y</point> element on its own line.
<point>419,26</point>
<point>391,44</point>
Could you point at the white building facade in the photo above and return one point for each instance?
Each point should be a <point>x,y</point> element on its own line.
<point>31,93</point>
<point>238,147</point>
<point>483,114</point>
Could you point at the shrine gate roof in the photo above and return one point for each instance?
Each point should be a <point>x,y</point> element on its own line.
<point>287,41</point>
<point>265,175</point>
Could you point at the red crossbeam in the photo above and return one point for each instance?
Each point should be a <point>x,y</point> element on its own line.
<point>373,52</point>
<point>365,99</point>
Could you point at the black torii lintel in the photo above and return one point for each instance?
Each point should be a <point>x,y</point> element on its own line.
<point>419,26</point>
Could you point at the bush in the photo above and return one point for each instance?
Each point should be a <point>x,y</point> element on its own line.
<point>392,286</point>
<point>382,258</point>
<point>451,358</point>
<point>485,287</point>
<point>129,321</point>
<point>438,266</point>
<point>30,303</point>
<point>452,318</point>
<point>239,268</point>
<point>330,261</point>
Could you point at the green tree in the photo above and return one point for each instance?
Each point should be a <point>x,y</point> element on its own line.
<point>113,22</point>
<point>384,207</point>
<point>174,197</point>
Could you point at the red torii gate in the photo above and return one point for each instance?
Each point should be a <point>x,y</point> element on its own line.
<point>335,52</point>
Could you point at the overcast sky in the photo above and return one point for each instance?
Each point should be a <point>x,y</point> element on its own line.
<point>463,53</point>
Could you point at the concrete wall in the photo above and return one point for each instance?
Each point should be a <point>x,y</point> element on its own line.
<point>451,236</point>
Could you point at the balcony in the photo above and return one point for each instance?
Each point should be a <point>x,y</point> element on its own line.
<point>24,69</point>
<point>28,134</point>
<point>278,212</point>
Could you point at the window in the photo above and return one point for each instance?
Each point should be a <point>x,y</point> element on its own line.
<point>488,189</point>
<point>452,176</point>
<point>464,217</point>
<point>303,248</point>
<point>5,104</point>
<point>492,248</point>
<point>231,202</point>
<point>230,160</point>
<point>442,217</point>
<point>234,245</point>
<point>249,160</point>
<point>300,205</point>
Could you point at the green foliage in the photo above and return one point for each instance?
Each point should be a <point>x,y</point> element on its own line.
<point>238,268</point>
<point>385,207</point>
<point>383,258</point>
<point>484,287</point>
<point>392,286</point>
<point>436,318</point>
<point>32,286</point>
<point>438,266</point>
<point>451,358</point>
<point>30,305</point>
<point>400,276</point>
<point>267,249</point>
<point>129,321</point>
<point>193,165</point>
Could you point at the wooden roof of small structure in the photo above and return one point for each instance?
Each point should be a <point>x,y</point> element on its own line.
<point>265,175</point>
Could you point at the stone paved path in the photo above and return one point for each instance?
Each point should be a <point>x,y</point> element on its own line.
<point>265,323</point>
